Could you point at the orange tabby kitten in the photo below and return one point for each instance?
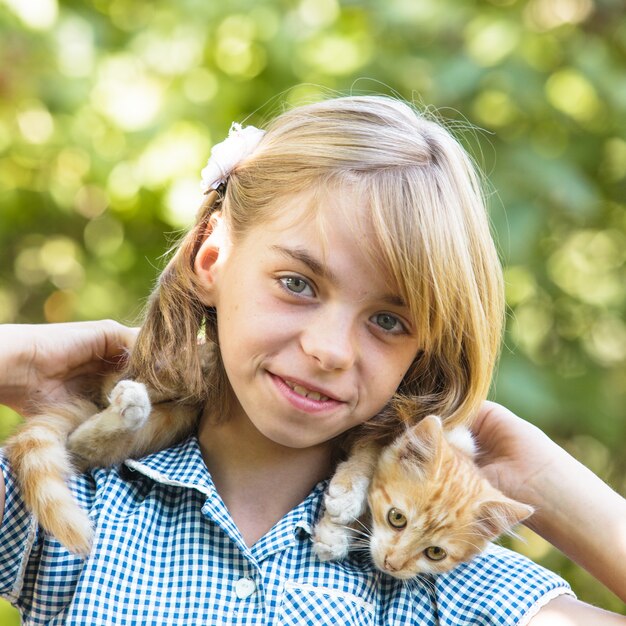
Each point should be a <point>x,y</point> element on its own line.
<point>116,422</point>
<point>430,507</point>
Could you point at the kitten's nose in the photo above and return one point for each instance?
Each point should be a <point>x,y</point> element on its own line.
<point>390,565</point>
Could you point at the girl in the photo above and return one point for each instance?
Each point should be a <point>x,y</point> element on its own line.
<point>339,257</point>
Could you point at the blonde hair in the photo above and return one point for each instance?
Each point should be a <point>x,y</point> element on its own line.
<point>431,229</point>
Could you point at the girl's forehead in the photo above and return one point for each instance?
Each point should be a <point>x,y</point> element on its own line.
<point>325,213</point>
<point>327,210</point>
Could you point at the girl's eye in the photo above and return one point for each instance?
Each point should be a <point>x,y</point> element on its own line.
<point>295,284</point>
<point>435,553</point>
<point>389,323</point>
<point>396,518</point>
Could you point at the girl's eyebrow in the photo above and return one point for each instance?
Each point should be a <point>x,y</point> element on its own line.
<point>317,267</point>
<point>302,255</point>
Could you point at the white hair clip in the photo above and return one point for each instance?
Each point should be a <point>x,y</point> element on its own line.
<point>225,156</point>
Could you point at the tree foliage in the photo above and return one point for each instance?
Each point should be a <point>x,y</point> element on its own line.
<point>108,109</point>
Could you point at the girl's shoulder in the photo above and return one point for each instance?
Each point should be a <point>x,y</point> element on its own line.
<point>498,586</point>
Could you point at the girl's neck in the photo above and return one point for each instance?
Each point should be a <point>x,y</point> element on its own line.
<point>259,480</point>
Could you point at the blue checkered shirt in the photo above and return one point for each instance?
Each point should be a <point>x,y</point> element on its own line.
<point>167,552</point>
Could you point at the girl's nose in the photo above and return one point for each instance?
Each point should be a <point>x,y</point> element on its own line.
<point>329,339</point>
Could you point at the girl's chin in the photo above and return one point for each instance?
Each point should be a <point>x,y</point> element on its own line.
<point>298,439</point>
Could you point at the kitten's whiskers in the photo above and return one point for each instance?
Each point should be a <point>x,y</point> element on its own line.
<point>356,531</point>
<point>365,527</point>
<point>420,581</point>
<point>469,543</point>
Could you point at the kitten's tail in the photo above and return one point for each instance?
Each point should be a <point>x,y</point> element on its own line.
<point>42,465</point>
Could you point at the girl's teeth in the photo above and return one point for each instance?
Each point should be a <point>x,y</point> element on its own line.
<point>303,391</point>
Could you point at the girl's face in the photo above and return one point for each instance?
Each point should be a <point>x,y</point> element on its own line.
<point>313,338</point>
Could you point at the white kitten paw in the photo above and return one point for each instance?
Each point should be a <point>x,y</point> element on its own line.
<point>330,541</point>
<point>345,505</point>
<point>130,400</point>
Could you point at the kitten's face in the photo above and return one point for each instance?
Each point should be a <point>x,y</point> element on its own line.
<point>416,533</point>
<point>431,509</point>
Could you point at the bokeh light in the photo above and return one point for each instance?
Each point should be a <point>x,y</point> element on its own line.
<point>109,108</point>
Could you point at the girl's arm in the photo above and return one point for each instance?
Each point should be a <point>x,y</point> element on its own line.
<point>575,510</point>
<point>46,362</point>
<point>567,611</point>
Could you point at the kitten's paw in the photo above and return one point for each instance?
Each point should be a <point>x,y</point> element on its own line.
<point>130,400</point>
<point>330,541</point>
<point>346,503</point>
<point>104,438</point>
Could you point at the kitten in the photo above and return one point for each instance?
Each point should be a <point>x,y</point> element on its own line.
<point>430,508</point>
<point>120,419</point>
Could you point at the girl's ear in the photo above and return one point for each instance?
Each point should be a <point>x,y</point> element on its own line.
<point>210,257</point>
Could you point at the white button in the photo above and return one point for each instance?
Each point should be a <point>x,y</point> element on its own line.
<point>244,588</point>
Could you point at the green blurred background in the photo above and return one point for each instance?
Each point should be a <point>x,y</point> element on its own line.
<point>108,109</point>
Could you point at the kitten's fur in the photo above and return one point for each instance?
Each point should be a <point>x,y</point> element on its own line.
<point>117,421</point>
<point>445,512</point>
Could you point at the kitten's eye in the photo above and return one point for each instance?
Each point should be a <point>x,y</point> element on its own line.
<point>435,553</point>
<point>396,518</point>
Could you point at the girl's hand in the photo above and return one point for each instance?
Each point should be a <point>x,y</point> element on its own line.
<point>512,452</point>
<point>574,510</point>
<point>47,362</point>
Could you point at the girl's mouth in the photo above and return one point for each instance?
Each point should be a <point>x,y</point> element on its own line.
<point>303,397</point>
<point>306,393</point>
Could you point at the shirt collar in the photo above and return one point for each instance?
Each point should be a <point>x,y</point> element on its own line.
<point>181,465</point>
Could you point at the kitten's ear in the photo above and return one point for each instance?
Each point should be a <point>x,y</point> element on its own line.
<point>499,514</point>
<point>421,443</point>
